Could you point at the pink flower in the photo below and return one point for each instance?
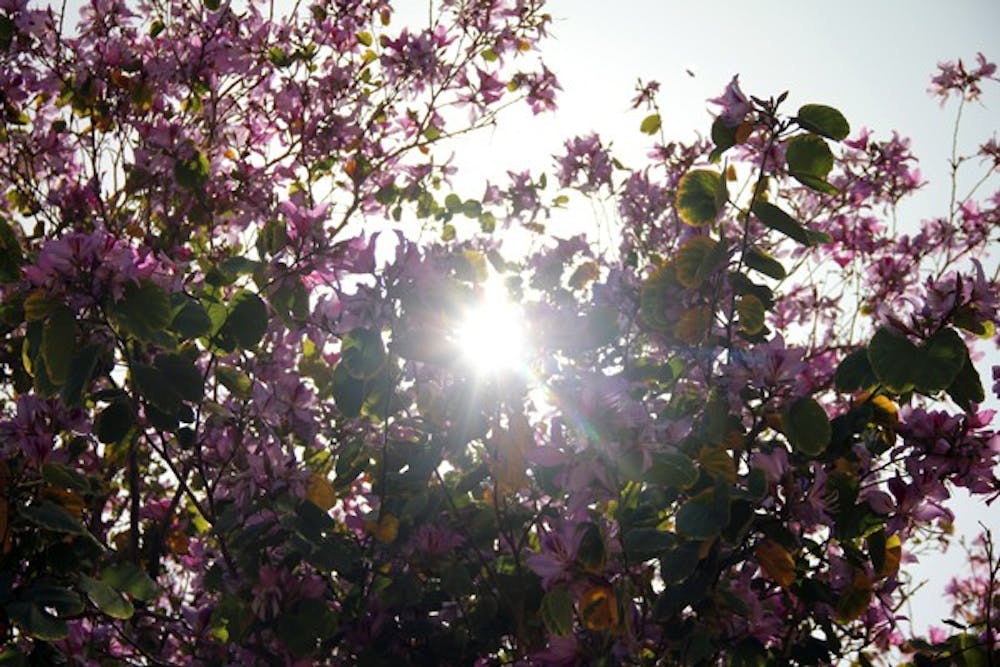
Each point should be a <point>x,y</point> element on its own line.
<point>735,105</point>
<point>559,550</point>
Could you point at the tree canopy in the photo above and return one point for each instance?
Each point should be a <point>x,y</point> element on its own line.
<point>275,394</point>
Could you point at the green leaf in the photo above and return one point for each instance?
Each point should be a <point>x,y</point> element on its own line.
<point>235,380</point>
<point>190,319</point>
<point>291,301</point>
<point>724,138</point>
<point>680,562</point>
<point>808,155</point>
<point>154,386</point>
<point>59,344</point>
<point>671,470</point>
<point>967,387</point>
<point>824,120</point>
<point>143,310</point>
<point>348,392</point>
<point>247,320</point>
<point>362,353</point>
<point>37,623</point>
<point>819,185</point>
<point>644,543</point>
<point>115,421</point>
<point>650,124</point>
<point>309,623</point>
<point>557,611</point>
<point>943,356</point>
<point>806,426</point>
<point>592,553</point>
<point>697,259</point>
<point>854,373</point>
<point>192,173</point>
<point>50,516</point>
<point>764,263</point>
<point>705,515</point>
<point>107,599</point>
<point>776,219</point>
<point>698,196</point>
<point>80,372</point>
<point>182,375</point>
<point>130,579</point>
<point>894,359</point>
<point>751,314</point>
<point>11,256</point>
<point>64,477</point>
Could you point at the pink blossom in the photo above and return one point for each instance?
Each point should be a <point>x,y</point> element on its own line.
<point>735,105</point>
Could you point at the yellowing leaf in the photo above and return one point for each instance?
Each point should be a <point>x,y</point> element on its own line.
<point>385,530</point>
<point>751,313</point>
<point>650,124</point>
<point>68,500</point>
<point>693,325</point>
<point>320,492</point>
<point>719,462</point>
<point>853,601</point>
<point>599,608</point>
<point>695,260</point>
<point>584,274</point>
<point>893,555</point>
<point>775,560</point>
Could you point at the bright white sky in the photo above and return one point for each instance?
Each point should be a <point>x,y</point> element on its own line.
<point>872,59</point>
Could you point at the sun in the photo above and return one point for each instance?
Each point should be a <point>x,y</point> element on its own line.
<point>492,335</point>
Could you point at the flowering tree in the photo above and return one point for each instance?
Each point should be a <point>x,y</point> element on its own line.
<point>241,427</point>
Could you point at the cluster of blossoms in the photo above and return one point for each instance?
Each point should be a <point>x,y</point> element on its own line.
<point>242,430</point>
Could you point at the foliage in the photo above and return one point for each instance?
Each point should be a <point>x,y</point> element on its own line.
<point>241,429</point>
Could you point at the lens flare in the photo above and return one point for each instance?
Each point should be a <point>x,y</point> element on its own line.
<point>491,336</point>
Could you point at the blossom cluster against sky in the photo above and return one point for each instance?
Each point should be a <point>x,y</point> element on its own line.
<point>873,61</point>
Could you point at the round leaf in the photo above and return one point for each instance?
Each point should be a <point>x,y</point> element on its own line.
<point>824,120</point>
<point>698,196</point>
<point>807,426</point>
<point>943,354</point>
<point>247,320</point>
<point>894,359</point>
<point>808,155</point>
<point>697,259</point>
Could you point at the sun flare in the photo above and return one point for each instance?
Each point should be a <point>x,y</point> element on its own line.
<point>491,335</point>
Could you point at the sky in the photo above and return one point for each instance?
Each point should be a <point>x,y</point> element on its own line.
<point>871,59</point>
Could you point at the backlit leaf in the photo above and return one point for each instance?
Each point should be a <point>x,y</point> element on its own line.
<point>697,258</point>
<point>824,120</point>
<point>778,220</point>
<point>943,356</point>
<point>854,373</point>
<point>806,426</point>
<point>599,608</point>
<point>751,313</point>
<point>143,310</point>
<point>247,319</point>
<point>59,344</point>
<point>37,623</point>
<point>853,602</point>
<point>107,599</point>
<point>698,196</point>
<point>557,611</point>
<point>764,263</point>
<point>650,124</point>
<point>115,421</point>
<point>808,155</point>
<point>775,560</point>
